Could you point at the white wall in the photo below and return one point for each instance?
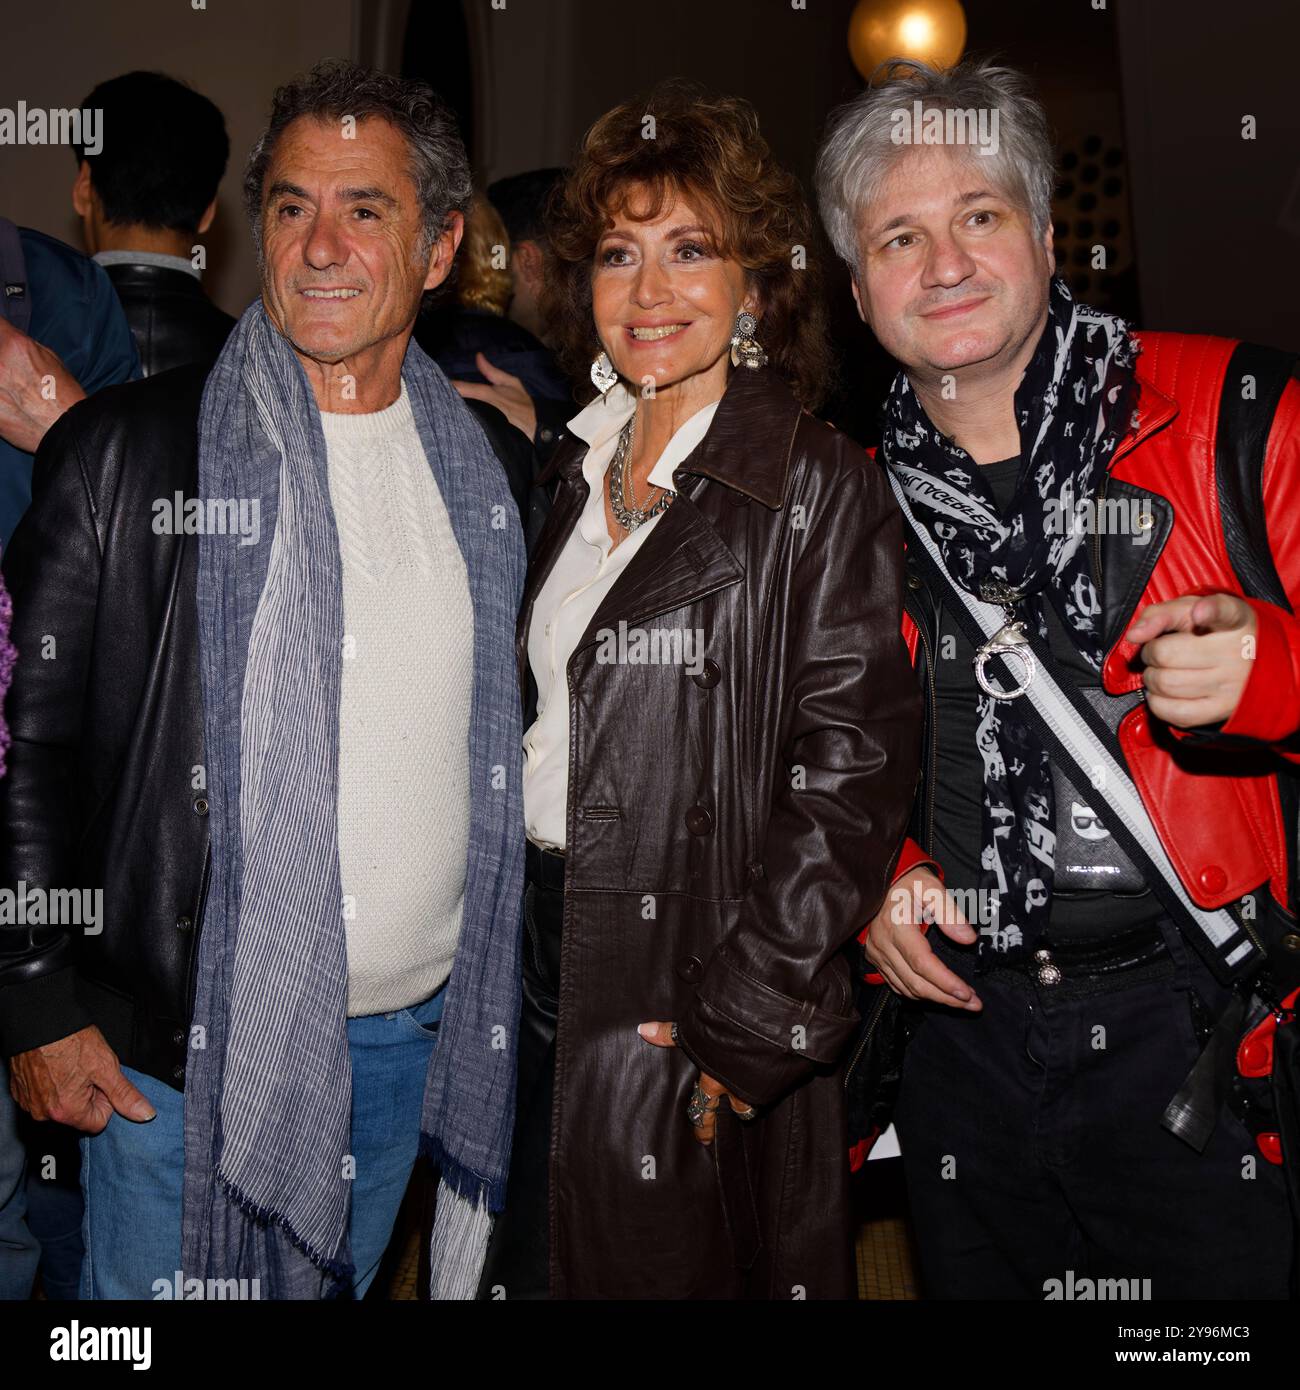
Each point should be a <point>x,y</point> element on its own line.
<point>52,52</point>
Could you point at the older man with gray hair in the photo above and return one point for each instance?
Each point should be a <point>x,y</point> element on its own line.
<point>288,752</point>
<point>1068,1107</point>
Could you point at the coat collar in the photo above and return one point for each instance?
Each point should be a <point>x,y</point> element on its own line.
<point>757,408</point>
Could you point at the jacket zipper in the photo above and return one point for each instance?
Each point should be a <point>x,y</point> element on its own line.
<point>877,1008</point>
<point>1250,932</point>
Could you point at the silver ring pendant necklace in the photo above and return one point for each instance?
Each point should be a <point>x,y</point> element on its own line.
<point>628,515</point>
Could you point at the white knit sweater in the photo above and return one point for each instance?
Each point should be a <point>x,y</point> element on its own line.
<point>404,720</point>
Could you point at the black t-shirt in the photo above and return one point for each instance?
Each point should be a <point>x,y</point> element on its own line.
<point>959,770</point>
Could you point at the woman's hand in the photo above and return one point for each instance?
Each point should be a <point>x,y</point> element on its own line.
<point>661,1035</point>
<point>504,391</point>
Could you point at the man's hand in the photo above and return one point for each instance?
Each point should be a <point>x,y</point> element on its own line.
<point>661,1035</point>
<point>1198,653</point>
<point>897,947</point>
<point>35,389</point>
<point>76,1081</point>
<point>506,392</point>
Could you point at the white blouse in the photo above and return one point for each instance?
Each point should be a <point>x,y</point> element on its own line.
<point>584,572</point>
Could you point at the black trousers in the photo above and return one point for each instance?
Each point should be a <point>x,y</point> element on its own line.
<point>518,1257</point>
<point>1032,1145</point>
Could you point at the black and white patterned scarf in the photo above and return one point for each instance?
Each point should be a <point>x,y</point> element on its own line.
<point>1072,407</point>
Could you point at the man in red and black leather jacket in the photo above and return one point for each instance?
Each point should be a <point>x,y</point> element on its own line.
<point>1057,1009</point>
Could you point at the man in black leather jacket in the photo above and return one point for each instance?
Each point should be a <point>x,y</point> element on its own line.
<point>105,788</point>
<point>145,201</point>
<point>107,723</point>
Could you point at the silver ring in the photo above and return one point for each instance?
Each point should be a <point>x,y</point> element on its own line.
<point>1026,659</point>
<point>698,1107</point>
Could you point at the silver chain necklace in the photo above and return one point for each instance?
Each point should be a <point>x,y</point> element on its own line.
<point>628,515</point>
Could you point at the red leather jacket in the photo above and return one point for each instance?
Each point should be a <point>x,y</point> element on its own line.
<point>1223,831</point>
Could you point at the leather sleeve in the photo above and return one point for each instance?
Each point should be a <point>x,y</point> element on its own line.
<point>774,1001</point>
<point>1269,708</point>
<point>51,569</point>
<point>910,858</point>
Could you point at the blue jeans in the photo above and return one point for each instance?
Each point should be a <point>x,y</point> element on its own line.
<point>19,1252</point>
<point>131,1174</point>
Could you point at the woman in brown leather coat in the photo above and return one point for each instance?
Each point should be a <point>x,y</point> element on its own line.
<point>722,751</point>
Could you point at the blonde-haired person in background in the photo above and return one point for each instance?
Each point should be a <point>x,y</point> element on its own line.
<point>484,281</point>
<point>489,357</point>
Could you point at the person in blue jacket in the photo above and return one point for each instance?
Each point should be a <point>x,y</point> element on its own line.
<point>75,332</point>
<point>63,335</point>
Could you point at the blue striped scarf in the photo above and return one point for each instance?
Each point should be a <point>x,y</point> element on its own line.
<point>268,1087</point>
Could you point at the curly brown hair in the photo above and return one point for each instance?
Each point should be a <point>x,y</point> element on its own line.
<point>707,150</point>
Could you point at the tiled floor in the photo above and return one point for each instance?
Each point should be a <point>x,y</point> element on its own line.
<point>886,1268</point>
<point>885,1256</point>
<point>399,1274</point>
<point>402,1284</point>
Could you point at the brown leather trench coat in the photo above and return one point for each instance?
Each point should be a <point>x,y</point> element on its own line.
<point>730,829</point>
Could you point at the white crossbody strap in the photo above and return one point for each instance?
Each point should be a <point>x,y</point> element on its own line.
<point>1095,763</point>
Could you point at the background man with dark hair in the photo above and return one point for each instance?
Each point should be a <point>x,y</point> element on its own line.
<point>144,201</point>
<point>521,201</point>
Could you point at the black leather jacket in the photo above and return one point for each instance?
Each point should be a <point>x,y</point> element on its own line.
<point>173,322</point>
<point>105,788</point>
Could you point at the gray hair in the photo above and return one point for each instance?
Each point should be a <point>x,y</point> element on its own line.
<point>336,89</point>
<point>860,146</point>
